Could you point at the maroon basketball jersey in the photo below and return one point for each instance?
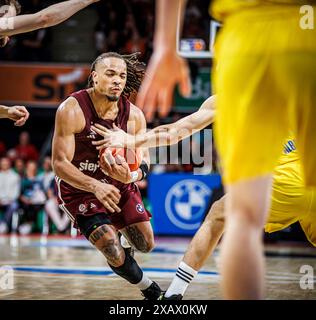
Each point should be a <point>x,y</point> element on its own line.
<point>86,155</point>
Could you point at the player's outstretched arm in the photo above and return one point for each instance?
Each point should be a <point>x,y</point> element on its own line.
<point>162,135</point>
<point>140,129</point>
<point>70,120</point>
<point>47,17</point>
<point>18,114</point>
<point>166,68</point>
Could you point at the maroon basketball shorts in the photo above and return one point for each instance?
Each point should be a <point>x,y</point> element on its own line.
<point>86,204</point>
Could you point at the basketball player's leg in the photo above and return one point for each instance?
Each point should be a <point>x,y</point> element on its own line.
<point>242,259</point>
<point>200,248</point>
<point>99,231</point>
<point>250,129</point>
<point>207,237</point>
<point>136,227</point>
<point>140,235</point>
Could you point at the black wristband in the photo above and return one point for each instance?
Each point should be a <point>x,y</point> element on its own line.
<point>144,168</point>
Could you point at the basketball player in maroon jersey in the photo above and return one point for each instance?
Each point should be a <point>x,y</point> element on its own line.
<point>99,205</point>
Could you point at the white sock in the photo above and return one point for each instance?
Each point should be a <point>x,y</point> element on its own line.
<point>124,242</point>
<point>144,283</point>
<point>181,280</point>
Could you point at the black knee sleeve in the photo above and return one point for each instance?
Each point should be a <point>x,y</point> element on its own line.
<point>87,224</point>
<point>130,270</point>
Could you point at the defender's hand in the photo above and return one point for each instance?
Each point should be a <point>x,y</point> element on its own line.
<point>166,69</point>
<point>111,138</point>
<point>19,114</point>
<point>108,195</point>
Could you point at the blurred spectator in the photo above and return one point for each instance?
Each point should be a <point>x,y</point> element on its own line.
<point>100,38</point>
<point>47,175</point>
<point>34,46</point>
<point>108,35</point>
<point>123,26</point>
<point>196,21</point>
<point>32,197</point>
<point>59,218</point>
<point>113,40</point>
<point>19,167</point>
<point>137,19</point>
<point>25,150</point>
<point>3,149</point>
<point>10,185</point>
<point>133,41</point>
<point>8,52</point>
<point>192,11</point>
<point>149,26</point>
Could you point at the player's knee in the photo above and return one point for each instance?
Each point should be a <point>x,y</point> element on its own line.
<point>107,242</point>
<point>146,245</point>
<point>113,252</point>
<point>150,244</point>
<point>216,214</point>
<point>250,217</point>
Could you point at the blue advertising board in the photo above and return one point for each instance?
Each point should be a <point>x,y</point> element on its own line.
<point>179,201</point>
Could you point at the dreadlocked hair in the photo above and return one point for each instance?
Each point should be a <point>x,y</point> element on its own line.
<point>14,3</point>
<point>135,71</point>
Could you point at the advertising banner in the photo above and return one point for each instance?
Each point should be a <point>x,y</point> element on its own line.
<point>179,201</point>
<point>40,84</point>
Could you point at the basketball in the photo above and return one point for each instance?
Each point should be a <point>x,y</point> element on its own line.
<point>133,157</point>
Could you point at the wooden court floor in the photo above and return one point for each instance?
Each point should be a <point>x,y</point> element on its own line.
<point>58,268</point>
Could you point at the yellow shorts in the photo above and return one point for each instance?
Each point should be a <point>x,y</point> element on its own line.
<point>292,202</point>
<point>265,81</point>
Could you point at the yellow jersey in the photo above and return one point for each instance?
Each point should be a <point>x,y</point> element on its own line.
<point>222,8</point>
<point>291,201</point>
<point>288,169</point>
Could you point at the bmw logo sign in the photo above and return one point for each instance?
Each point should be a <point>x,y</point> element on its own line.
<point>186,202</point>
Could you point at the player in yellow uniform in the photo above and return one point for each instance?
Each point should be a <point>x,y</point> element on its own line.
<point>265,81</point>
<point>291,200</point>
